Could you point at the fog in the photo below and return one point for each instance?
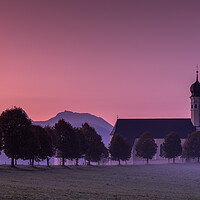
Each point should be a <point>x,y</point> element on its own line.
<point>4,160</point>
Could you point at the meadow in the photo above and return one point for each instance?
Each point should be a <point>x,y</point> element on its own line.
<point>156,181</point>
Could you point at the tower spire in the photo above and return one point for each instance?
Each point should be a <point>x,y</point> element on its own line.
<point>197,73</point>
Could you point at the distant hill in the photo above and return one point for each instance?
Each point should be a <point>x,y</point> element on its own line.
<point>102,127</point>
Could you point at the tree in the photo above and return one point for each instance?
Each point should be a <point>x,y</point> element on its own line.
<point>100,152</point>
<point>93,142</point>
<point>51,132</point>
<point>119,148</point>
<point>146,146</point>
<point>192,146</point>
<point>36,145</point>
<point>13,124</point>
<point>65,133</point>
<point>30,145</point>
<point>80,145</point>
<point>172,146</point>
<point>104,153</point>
<point>1,142</point>
<point>45,144</point>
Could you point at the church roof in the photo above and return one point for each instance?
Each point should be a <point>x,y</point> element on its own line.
<point>159,128</point>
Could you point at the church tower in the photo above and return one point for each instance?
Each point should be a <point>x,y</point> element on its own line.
<point>195,102</point>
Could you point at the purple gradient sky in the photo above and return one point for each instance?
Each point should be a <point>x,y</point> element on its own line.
<point>135,59</point>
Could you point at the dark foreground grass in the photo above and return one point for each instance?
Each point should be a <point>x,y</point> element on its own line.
<point>169,181</point>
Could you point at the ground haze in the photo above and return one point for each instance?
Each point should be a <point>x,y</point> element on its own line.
<point>165,181</point>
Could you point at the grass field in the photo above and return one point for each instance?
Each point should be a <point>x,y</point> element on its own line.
<point>164,181</point>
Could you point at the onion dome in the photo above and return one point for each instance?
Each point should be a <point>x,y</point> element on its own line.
<point>195,87</point>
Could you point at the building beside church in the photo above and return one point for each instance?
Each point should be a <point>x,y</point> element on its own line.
<point>131,129</point>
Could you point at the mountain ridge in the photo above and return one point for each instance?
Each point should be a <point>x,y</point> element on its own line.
<point>76,119</point>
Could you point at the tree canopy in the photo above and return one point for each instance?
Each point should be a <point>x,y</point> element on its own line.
<point>14,123</point>
<point>119,148</point>
<point>146,146</point>
<point>172,146</point>
<point>65,140</point>
<point>95,147</point>
<point>45,144</point>
<point>30,145</point>
<point>1,142</point>
<point>51,133</point>
<point>80,145</point>
<point>192,146</point>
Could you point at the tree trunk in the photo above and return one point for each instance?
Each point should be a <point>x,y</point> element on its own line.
<point>15,161</point>
<point>173,160</point>
<point>47,162</point>
<point>76,161</point>
<point>119,162</point>
<point>63,161</point>
<point>12,162</point>
<point>32,163</point>
<point>147,161</point>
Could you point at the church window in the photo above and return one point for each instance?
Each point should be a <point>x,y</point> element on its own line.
<point>195,105</point>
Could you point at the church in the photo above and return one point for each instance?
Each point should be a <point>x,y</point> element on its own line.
<point>131,129</point>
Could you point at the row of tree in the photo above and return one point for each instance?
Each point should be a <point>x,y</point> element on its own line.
<point>146,147</point>
<point>20,139</point>
<point>75,143</point>
<point>171,147</point>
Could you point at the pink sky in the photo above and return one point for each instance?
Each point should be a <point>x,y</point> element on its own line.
<point>135,59</point>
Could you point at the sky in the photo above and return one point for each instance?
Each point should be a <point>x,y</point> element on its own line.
<point>131,58</point>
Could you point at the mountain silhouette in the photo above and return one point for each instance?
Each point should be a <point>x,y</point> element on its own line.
<point>102,127</point>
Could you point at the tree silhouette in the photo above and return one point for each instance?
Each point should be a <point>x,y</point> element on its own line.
<point>192,146</point>
<point>80,145</point>
<point>45,144</point>
<point>65,134</point>
<point>93,142</point>
<point>14,123</point>
<point>100,151</point>
<point>36,145</point>
<point>51,132</point>
<point>146,146</point>
<point>172,146</point>
<point>104,153</point>
<point>119,148</point>
<point>1,142</point>
<point>30,145</point>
